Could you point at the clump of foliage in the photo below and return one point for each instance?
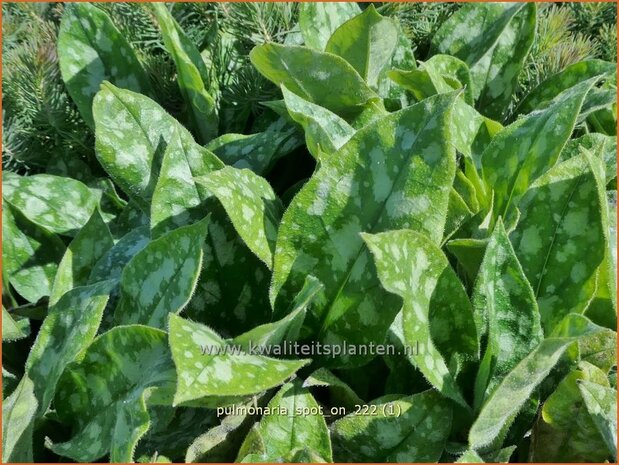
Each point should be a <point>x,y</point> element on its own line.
<point>348,197</point>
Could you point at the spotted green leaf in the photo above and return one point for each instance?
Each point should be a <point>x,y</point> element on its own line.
<point>226,295</point>
<point>86,249</point>
<point>292,430</point>
<point>565,432</point>
<point>493,39</point>
<point>409,429</point>
<point>251,205</point>
<point>560,239</point>
<point>92,50</point>
<point>177,200</point>
<point>542,96</point>
<point>367,42</point>
<point>132,134</point>
<point>308,73</point>
<point>507,399</point>
<point>394,173</point>
<point>30,254</point>
<point>259,151</point>
<point>439,319</point>
<point>69,328</point>
<point>318,20</point>
<point>325,132</point>
<point>161,278</point>
<point>207,369</point>
<point>601,403</point>
<point>191,74</point>
<point>505,306</point>
<point>18,413</point>
<point>104,395</point>
<point>112,263</point>
<point>59,204</point>
<point>526,149</point>
<point>13,329</point>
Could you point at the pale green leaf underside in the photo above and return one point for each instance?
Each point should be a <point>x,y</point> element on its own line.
<point>18,412</point>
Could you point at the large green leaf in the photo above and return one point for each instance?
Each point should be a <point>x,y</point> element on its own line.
<point>565,432</point>
<point>601,403</point>
<point>298,425</point>
<point>62,205</point>
<point>132,134</point>
<point>367,42</point>
<point>325,132</point>
<point>191,75</point>
<point>505,305</point>
<point>493,39</point>
<point>92,50</point>
<point>440,319</point>
<point>104,395</point>
<point>318,20</point>
<point>526,149</point>
<point>605,147</point>
<point>252,206</point>
<point>542,96</point>
<point>69,328</point>
<point>18,413</point>
<point>87,248</point>
<point>408,429</point>
<point>161,278</point>
<point>30,254</point>
<point>308,73</point>
<point>560,238</point>
<point>208,367</point>
<point>394,173</point>
<point>507,399</point>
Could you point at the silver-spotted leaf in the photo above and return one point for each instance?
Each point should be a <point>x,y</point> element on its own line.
<point>297,425</point>
<point>526,149</point>
<point>367,42</point>
<point>161,278</point>
<point>308,73</point>
<point>542,95</point>
<point>493,39</point>
<point>394,173</point>
<point>325,132</point>
<point>62,205</point>
<point>132,134</point>
<point>85,250</point>
<point>505,307</point>
<point>104,395</point>
<point>560,238</point>
<point>30,254</point>
<point>251,205</point>
<point>69,328</point>
<point>207,366</point>
<point>318,20</point>
<point>440,318</point>
<point>408,429</point>
<point>507,399</point>
<point>191,74</point>
<point>92,50</point>
<point>601,403</point>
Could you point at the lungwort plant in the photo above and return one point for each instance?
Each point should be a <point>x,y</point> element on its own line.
<point>377,202</point>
